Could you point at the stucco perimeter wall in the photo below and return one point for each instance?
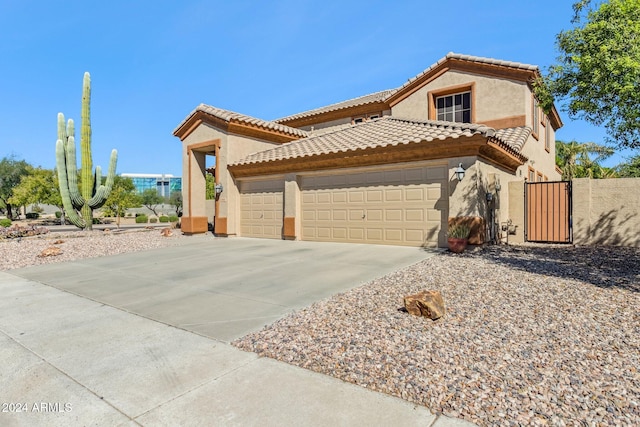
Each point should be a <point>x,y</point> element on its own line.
<point>493,98</point>
<point>606,211</point>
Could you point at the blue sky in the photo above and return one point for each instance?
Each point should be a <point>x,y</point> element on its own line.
<point>153,62</point>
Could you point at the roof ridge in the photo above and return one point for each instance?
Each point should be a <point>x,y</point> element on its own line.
<point>332,107</point>
<point>228,115</point>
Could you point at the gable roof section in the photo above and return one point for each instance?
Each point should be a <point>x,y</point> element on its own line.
<point>385,99</point>
<point>475,65</point>
<point>361,100</point>
<point>233,122</point>
<point>388,132</point>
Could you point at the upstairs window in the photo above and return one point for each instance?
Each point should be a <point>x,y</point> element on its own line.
<point>454,108</point>
<point>536,118</point>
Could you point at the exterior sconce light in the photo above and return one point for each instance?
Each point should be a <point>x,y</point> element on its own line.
<point>218,189</point>
<point>459,172</point>
<point>489,197</point>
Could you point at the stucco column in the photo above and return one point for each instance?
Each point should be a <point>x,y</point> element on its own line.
<point>291,225</point>
<point>195,218</point>
<point>516,210</point>
<point>581,215</point>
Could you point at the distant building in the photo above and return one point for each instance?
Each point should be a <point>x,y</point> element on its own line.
<point>165,184</point>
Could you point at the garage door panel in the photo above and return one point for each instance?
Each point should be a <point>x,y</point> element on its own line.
<point>414,215</point>
<point>393,195</point>
<point>261,208</point>
<point>414,194</point>
<point>374,214</point>
<point>400,207</point>
<point>393,215</point>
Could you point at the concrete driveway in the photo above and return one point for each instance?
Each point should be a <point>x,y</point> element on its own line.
<point>224,288</point>
<point>114,344</point>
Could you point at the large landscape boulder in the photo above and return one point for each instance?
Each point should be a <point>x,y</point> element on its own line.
<point>426,303</point>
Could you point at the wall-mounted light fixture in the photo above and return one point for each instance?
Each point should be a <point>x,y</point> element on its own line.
<point>489,197</point>
<point>218,189</point>
<point>459,172</point>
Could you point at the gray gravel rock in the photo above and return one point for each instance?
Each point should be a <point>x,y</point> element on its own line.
<point>534,335</point>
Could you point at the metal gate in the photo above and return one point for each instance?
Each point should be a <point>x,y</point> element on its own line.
<point>547,212</point>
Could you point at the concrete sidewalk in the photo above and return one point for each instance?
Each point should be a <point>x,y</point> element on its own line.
<point>74,360</point>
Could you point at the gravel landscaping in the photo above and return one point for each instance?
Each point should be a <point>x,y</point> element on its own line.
<point>24,252</point>
<point>534,335</point>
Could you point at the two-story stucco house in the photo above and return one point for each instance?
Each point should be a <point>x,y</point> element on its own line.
<point>380,168</point>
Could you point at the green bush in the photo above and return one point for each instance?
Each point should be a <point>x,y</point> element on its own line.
<point>153,220</point>
<point>141,219</point>
<point>164,218</point>
<point>32,215</point>
<point>58,214</point>
<point>5,222</point>
<point>173,218</point>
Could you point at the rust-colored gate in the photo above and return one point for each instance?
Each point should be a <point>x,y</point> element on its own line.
<point>548,212</point>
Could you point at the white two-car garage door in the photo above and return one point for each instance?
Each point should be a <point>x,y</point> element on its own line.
<point>406,207</point>
<point>261,208</point>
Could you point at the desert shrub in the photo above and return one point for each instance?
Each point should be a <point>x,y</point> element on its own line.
<point>58,214</point>
<point>153,220</point>
<point>141,219</point>
<point>164,218</point>
<point>173,218</point>
<point>5,222</point>
<point>32,215</point>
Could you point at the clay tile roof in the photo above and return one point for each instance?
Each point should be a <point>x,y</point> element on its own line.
<point>468,58</point>
<point>229,116</point>
<point>514,137</point>
<point>361,100</point>
<point>382,132</point>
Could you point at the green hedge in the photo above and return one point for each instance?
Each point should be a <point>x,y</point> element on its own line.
<point>141,219</point>
<point>5,222</point>
<point>164,218</point>
<point>153,220</point>
<point>32,215</point>
<point>58,214</point>
<point>173,218</point>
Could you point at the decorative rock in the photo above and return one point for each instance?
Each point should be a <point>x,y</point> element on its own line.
<point>58,242</point>
<point>166,232</point>
<point>50,251</point>
<point>426,303</point>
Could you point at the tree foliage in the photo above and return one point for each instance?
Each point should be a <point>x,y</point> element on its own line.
<point>151,199</point>
<point>122,197</point>
<point>210,187</point>
<point>576,161</point>
<point>598,69</point>
<point>630,168</point>
<point>39,186</point>
<point>176,200</point>
<point>11,172</point>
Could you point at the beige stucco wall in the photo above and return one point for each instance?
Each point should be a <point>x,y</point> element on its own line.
<point>540,159</point>
<point>606,211</point>
<point>494,98</point>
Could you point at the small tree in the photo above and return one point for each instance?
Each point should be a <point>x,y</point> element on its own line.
<point>574,159</point>
<point>122,197</point>
<point>151,199</point>
<point>11,172</point>
<point>39,186</point>
<point>630,168</point>
<point>176,200</point>
<point>598,70</point>
<point>210,187</point>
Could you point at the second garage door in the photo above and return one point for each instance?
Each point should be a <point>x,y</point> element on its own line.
<point>397,207</point>
<point>261,208</point>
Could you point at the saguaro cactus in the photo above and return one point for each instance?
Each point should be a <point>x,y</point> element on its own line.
<point>79,204</point>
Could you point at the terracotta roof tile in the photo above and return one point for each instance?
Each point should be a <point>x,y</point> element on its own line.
<point>514,137</point>
<point>382,132</point>
<point>229,116</point>
<point>361,100</point>
<point>468,58</point>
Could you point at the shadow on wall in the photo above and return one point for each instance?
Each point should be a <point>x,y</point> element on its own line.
<point>611,228</point>
<point>602,266</point>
